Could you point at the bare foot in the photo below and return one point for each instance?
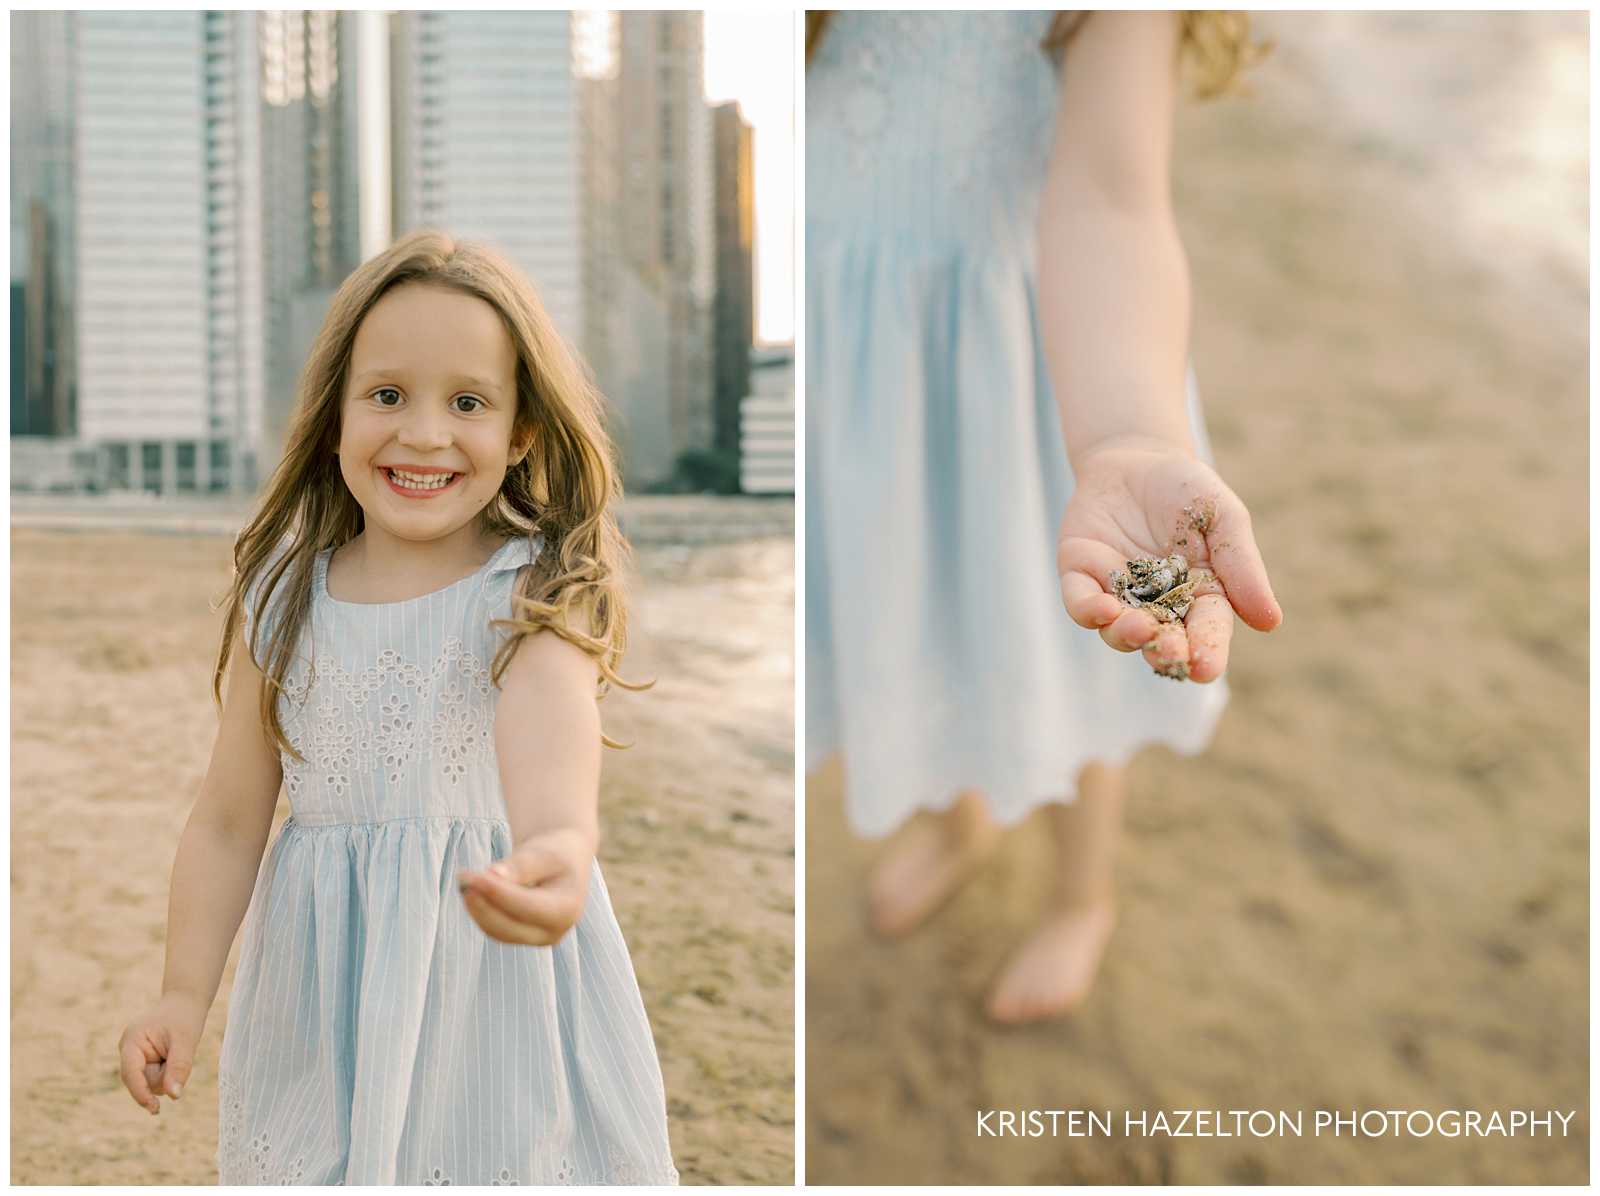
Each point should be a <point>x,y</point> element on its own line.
<point>926,862</point>
<point>1053,971</point>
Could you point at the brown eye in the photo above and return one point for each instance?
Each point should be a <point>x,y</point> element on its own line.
<point>474,399</point>
<point>378,396</point>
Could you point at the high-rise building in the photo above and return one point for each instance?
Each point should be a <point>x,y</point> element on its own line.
<point>43,362</point>
<point>485,141</point>
<point>168,280</point>
<point>766,451</point>
<point>596,67</point>
<point>312,200</point>
<point>735,298</point>
<point>658,375</point>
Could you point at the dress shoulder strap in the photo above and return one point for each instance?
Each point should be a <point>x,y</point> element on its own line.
<point>500,573</point>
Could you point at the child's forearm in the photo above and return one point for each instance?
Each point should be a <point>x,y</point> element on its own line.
<point>213,877</point>
<point>1114,313</point>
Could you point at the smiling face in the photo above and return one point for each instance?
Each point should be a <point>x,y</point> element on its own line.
<point>429,408</point>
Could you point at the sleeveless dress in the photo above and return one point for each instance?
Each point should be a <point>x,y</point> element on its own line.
<point>375,1033</point>
<point>939,655</point>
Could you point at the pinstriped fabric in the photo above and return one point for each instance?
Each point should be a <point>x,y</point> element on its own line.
<point>375,1034</point>
<point>938,654</point>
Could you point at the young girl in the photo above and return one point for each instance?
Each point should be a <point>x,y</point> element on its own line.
<point>432,987</point>
<point>999,416</point>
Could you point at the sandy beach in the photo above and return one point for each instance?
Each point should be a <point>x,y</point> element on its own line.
<point>113,642</point>
<point>1372,892</point>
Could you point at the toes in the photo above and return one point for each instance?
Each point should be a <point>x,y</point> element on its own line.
<point>1053,973</point>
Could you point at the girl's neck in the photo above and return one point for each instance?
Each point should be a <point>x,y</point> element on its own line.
<point>376,565</point>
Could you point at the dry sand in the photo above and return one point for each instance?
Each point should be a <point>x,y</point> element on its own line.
<point>112,647</point>
<point>1372,892</point>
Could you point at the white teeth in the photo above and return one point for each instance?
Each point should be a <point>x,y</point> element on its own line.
<point>417,481</point>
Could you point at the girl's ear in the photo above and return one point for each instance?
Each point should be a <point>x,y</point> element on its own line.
<point>521,443</point>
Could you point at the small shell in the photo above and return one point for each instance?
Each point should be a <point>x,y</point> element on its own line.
<point>1156,584</point>
<point>1162,587</point>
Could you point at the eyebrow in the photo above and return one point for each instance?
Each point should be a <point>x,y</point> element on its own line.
<point>377,374</point>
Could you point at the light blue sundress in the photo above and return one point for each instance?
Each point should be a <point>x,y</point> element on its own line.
<point>939,656</point>
<point>375,1033</point>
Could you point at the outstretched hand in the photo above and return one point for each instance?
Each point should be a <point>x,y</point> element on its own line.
<point>534,895</point>
<point>157,1049</point>
<point>1146,500</point>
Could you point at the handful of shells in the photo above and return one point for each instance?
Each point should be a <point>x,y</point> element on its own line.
<point>1162,587</point>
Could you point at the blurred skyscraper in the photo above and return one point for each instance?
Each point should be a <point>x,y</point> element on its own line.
<point>734,192</point>
<point>42,365</point>
<point>766,435</point>
<point>596,69</point>
<point>169,287</point>
<point>486,141</point>
<point>649,176</point>
<point>312,203</point>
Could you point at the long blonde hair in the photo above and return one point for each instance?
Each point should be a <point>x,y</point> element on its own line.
<point>562,490</point>
<point>1217,43</point>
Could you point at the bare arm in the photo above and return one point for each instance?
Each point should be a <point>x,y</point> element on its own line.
<point>1113,277</point>
<point>1114,306</point>
<point>547,736</point>
<point>213,875</point>
<point>220,850</point>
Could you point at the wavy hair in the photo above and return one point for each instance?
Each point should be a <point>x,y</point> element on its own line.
<point>1218,45</point>
<point>562,489</point>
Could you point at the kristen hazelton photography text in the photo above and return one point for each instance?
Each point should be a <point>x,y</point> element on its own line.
<point>326,236</point>
<point>1272,1123</point>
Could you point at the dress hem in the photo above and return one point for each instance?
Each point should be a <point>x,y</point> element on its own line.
<point>1013,812</point>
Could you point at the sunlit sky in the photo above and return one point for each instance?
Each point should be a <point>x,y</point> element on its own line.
<point>750,58</point>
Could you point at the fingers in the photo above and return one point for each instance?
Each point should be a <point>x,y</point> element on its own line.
<point>1231,544</point>
<point>1131,630</point>
<point>180,1061</point>
<point>1210,627</point>
<point>1086,567</point>
<point>1088,604</point>
<point>535,917</point>
<point>536,911</point>
<point>1168,652</point>
<point>530,865</point>
<point>135,1054</point>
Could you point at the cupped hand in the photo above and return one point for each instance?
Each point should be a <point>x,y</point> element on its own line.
<point>1138,499</point>
<point>534,895</point>
<point>157,1049</point>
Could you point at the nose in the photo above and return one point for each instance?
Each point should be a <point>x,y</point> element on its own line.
<point>424,430</point>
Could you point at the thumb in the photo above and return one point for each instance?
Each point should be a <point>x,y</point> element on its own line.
<point>529,865</point>
<point>180,1062</point>
<point>1231,545</point>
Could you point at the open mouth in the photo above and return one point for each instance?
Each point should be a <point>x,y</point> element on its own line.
<point>418,485</point>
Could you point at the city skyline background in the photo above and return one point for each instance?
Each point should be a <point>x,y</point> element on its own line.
<point>190,188</point>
